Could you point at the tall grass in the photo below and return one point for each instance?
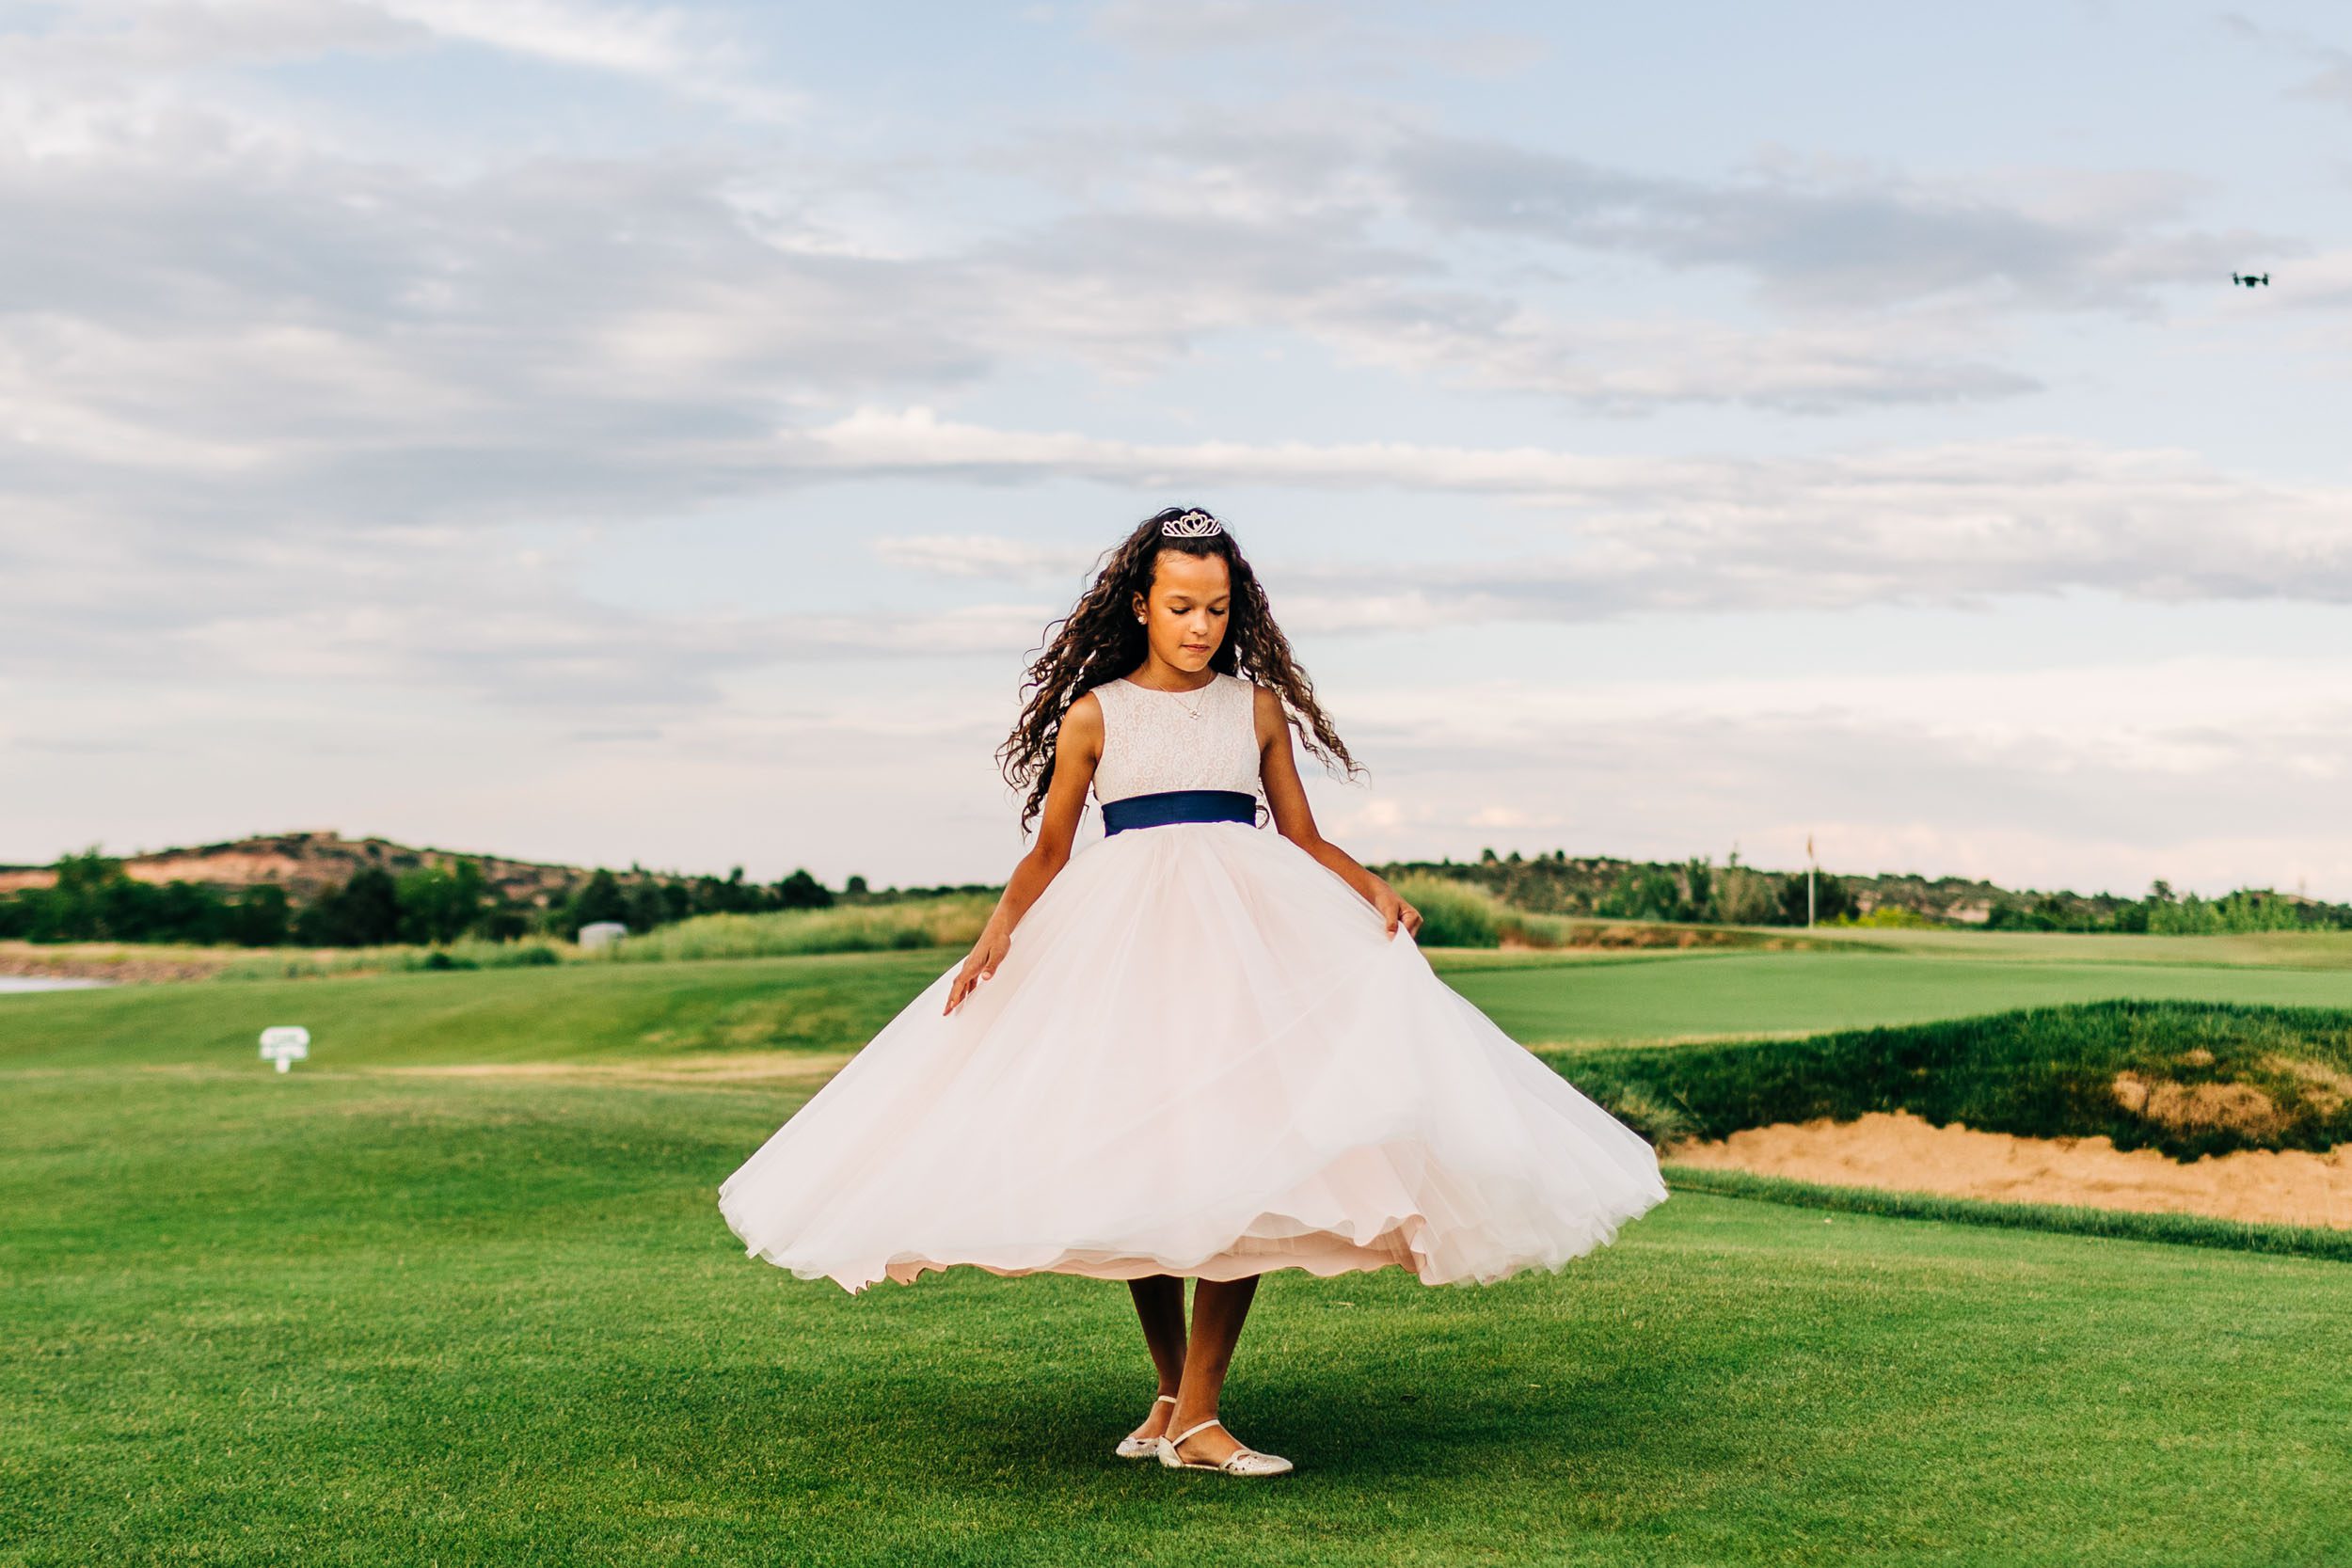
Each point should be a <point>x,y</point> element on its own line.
<point>303,963</point>
<point>1456,913</point>
<point>953,920</point>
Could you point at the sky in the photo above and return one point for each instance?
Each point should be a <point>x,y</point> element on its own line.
<point>662,434</point>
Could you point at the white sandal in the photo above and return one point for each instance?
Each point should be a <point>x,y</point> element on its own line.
<point>1141,1448</point>
<point>1240,1462</point>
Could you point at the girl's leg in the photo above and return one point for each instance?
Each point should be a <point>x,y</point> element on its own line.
<point>1160,1303</point>
<point>1219,1306</point>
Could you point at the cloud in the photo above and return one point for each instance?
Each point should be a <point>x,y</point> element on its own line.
<point>455,615</point>
<point>311,411</point>
<point>200,293</point>
<point>1953,524</point>
<point>1362,226</point>
<point>979,556</point>
<point>1628,366</point>
<point>2330,82</point>
<point>664,44</point>
<point>1313,35</point>
<point>125,49</point>
<point>1849,242</point>
<point>311,334</point>
<point>2089,776</point>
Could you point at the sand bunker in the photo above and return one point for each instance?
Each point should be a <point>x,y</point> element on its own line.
<point>1904,1152</point>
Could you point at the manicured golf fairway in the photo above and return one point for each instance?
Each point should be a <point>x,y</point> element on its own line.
<point>363,1318</point>
<point>835,1003</point>
<point>363,1314</point>
<point>1749,994</point>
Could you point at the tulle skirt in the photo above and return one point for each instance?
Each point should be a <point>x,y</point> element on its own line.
<point>1201,1056</point>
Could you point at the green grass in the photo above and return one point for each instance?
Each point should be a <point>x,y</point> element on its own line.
<point>1639,997</point>
<point>837,1002</point>
<point>353,1316</point>
<point>2260,949</point>
<point>826,1003</point>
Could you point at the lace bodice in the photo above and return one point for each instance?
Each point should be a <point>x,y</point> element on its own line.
<point>1152,742</point>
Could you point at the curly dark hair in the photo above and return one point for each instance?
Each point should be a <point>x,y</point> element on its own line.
<point>1100,639</point>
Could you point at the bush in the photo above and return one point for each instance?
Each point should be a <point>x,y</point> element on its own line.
<point>1890,916</point>
<point>951,921</point>
<point>2188,1078</point>
<point>1654,1116</point>
<point>1454,915</point>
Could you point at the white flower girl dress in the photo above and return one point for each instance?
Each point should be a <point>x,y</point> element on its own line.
<point>1201,1055</point>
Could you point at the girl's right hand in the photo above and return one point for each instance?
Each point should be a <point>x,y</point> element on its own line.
<point>986,955</point>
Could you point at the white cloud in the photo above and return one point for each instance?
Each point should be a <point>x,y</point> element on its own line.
<point>309,409</point>
<point>2330,81</point>
<point>2090,776</point>
<point>132,52</point>
<point>1952,524</point>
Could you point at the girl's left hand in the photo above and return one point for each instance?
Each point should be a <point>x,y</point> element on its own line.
<point>1395,911</point>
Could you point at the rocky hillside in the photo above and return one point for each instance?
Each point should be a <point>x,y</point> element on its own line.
<point>308,863</point>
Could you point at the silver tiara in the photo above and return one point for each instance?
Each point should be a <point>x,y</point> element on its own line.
<point>1195,523</point>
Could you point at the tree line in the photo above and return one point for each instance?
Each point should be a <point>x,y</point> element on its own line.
<point>95,899</point>
<point>1697,890</point>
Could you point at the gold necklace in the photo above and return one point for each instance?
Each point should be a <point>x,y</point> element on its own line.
<point>1191,710</point>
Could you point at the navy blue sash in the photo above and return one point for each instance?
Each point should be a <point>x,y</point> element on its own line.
<point>1178,805</point>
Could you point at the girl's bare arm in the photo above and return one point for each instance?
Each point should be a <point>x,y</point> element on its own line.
<point>1286,798</point>
<point>1077,747</point>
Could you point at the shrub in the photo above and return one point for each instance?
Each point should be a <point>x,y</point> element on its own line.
<point>1454,915</point>
<point>953,920</point>
<point>1893,916</point>
<point>2188,1078</point>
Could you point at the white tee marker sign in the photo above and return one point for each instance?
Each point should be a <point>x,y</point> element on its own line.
<point>286,1045</point>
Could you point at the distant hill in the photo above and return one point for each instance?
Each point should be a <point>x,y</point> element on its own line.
<point>309,864</point>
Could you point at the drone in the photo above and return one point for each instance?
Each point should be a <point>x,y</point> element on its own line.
<point>2251,278</point>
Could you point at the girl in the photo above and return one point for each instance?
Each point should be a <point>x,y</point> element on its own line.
<point>1194,1048</point>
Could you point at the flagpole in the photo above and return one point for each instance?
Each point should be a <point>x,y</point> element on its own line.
<point>1809,881</point>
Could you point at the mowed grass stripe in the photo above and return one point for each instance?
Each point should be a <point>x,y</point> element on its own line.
<point>820,1002</point>
<point>837,1002</point>
<point>1747,994</point>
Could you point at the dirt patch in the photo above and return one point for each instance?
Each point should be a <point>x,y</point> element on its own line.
<point>747,1067</point>
<point>2324,1086</point>
<point>1593,938</point>
<point>110,960</point>
<point>750,1067</point>
<point>2195,1107</point>
<point>1904,1152</point>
